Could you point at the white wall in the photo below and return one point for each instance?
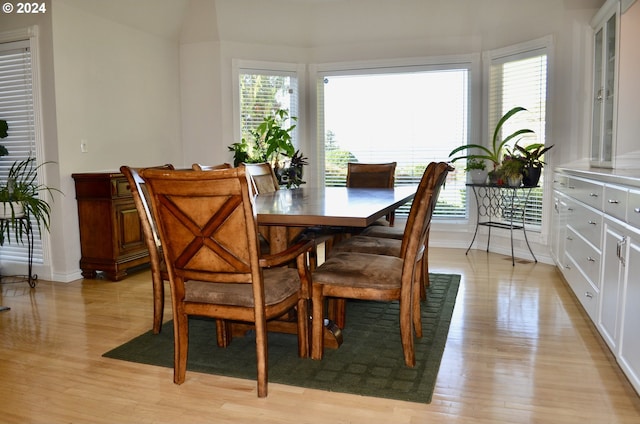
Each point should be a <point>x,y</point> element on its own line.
<point>118,88</point>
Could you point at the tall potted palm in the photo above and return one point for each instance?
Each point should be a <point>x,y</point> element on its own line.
<point>22,197</point>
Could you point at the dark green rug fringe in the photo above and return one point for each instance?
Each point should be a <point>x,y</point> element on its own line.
<point>369,362</point>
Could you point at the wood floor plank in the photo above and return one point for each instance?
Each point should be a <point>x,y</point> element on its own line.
<point>520,350</point>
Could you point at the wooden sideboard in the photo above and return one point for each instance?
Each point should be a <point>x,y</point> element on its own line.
<point>111,237</point>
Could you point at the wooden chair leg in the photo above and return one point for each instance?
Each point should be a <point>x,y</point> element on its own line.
<point>317,323</point>
<point>406,334</point>
<point>415,302</point>
<point>303,328</point>
<point>337,311</point>
<point>181,346</point>
<point>223,333</point>
<point>261,356</point>
<point>158,301</point>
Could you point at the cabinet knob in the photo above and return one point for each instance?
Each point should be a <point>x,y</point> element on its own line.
<point>613,201</point>
<point>593,223</point>
<point>569,238</point>
<point>593,194</point>
<point>590,259</point>
<point>637,210</point>
<point>588,295</point>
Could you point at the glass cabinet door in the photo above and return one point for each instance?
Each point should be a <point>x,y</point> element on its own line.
<point>604,93</point>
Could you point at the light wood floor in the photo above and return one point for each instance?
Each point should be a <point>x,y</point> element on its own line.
<point>520,350</point>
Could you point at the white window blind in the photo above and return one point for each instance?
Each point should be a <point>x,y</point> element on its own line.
<point>408,116</point>
<point>520,79</point>
<point>262,93</point>
<point>17,108</point>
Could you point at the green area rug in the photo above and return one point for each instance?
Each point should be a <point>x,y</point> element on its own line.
<point>369,362</point>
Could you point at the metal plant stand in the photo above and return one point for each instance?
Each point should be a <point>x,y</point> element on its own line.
<point>501,206</point>
<point>30,278</point>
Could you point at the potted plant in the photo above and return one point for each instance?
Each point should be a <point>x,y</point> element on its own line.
<point>531,157</point>
<point>21,196</point>
<point>477,170</point>
<point>494,153</point>
<point>511,170</point>
<point>272,142</point>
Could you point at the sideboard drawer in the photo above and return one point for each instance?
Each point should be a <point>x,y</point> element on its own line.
<point>584,290</point>
<point>122,187</point>
<point>587,222</point>
<point>633,208</point>
<point>588,192</point>
<point>615,201</point>
<point>584,255</point>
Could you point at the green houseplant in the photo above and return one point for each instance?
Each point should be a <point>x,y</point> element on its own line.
<point>273,142</point>
<point>531,157</point>
<point>511,170</point>
<point>22,196</point>
<point>494,152</point>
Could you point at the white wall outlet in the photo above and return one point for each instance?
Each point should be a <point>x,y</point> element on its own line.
<point>83,146</point>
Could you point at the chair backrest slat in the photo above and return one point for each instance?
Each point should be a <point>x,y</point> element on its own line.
<point>263,177</point>
<point>201,167</point>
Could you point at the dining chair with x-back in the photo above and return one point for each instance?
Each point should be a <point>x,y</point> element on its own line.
<point>209,235</point>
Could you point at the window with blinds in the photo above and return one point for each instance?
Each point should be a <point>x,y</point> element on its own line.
<point>408,116</point>
<point>17,108</point>
<point>262,93</point>
<point>519,78</point>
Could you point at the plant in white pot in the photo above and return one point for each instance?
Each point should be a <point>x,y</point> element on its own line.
<point>22,198</point>
<point>477,170</point>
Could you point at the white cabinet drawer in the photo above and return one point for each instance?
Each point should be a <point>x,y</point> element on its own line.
<point>585,221</point>
<point>586,191</point>
<point>560,182</point>
<point>633,208</point>
<point>586,257</point>
<point>615,201</point>
<point>582,288</point>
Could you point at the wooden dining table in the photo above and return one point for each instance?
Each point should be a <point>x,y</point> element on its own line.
<point>288,212</point>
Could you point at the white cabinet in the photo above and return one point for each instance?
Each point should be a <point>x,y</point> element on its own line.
<point>629,345</point>
<point>620,296</point>
<point>596,245</point>
<point>605,69</point>
<point>615,240</point>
